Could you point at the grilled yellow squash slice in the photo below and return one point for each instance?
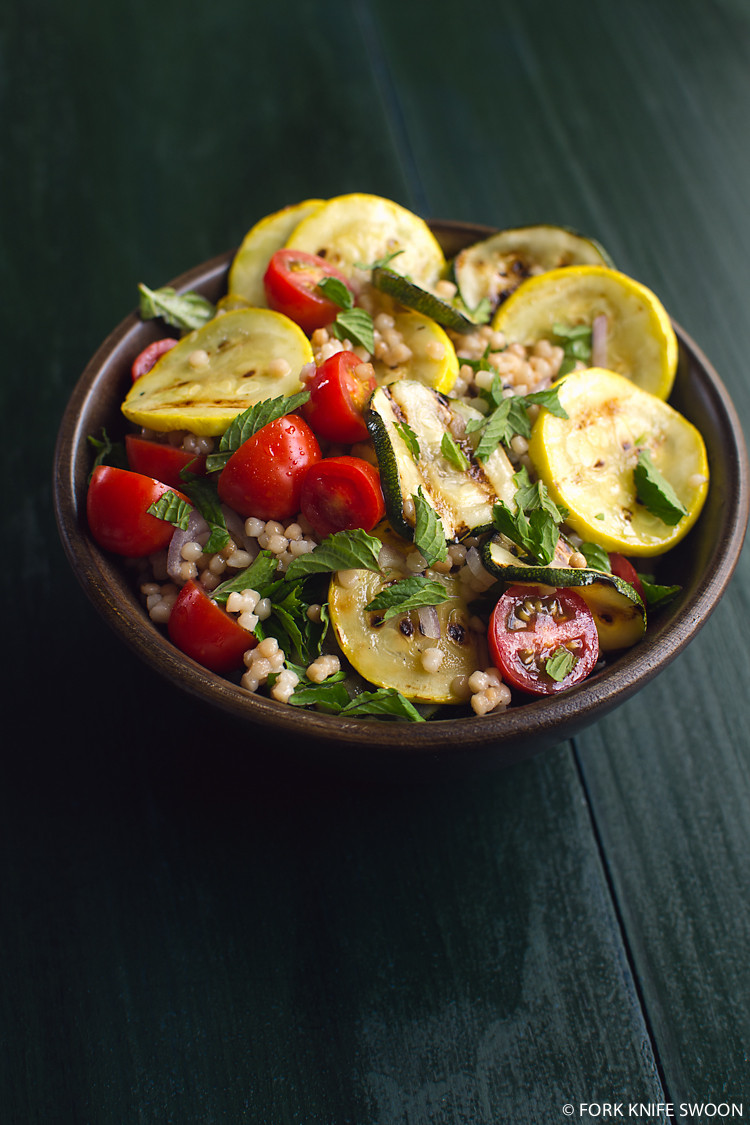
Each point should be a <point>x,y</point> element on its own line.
<point>640,341</point>
<point>350,231</point>
<point>433,358</point>
<point>219,370</point>
<point>389,653</point>
<point>261,241</point>
<point>588,461</point>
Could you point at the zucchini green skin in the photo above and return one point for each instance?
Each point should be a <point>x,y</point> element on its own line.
<point>462,498</point>
<point>619,613</point>
<point>421,300</point>
<point>522,251</point>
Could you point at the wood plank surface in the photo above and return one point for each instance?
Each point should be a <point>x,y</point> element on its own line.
<point>193,931</point>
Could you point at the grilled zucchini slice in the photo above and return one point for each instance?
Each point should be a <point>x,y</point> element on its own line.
<point>619,613</point>
<point>389,653</point>
<point>406,292</point>
<point>587,461</point>
<point>492,269</point>
<point>261,241</point>
<point>640,341</point>
<point>407,416</point>
<point>219,370</point>
<point>356,230</point>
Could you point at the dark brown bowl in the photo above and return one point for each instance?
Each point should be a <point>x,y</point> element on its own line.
<point>703,564</point>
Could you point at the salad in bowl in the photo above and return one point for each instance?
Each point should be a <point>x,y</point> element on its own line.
<point>373,481</point>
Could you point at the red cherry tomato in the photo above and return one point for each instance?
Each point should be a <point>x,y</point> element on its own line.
<point>202,630</point>
<point>625,570</point>
<point>264,476</point>
<point>146,359</point>
<point>337,400</point>
<point>341,493</point>
<point>291,282</point>
<point>162,461</point>
<point>116,506</point>
<point>528,629</point>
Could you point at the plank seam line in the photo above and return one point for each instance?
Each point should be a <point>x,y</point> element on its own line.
<point>395,115</point>
<point>619,918</point>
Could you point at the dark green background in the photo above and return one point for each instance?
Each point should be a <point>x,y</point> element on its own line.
<point>191,931</point>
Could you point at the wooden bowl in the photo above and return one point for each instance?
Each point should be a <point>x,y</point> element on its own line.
<point>703,564</point>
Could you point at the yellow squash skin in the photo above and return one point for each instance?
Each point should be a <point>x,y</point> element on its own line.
<point>236,351</point>
<point>641,343</point>
<point>259,244</point>
<point>587,461</point>
<point>428,364</point>
<point>359,228</point>
<point>385,656</point>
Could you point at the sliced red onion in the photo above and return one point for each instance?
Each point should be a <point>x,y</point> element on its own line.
<point>474,562</point>
<point>196,526</point>
<point>599,330</point>
<point>236,528</point>
<point>429,622</point>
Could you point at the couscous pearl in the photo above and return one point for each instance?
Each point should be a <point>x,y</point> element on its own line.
<point>239,560</point>
<point>191,551</point>
<point>263,609</point>
<point>278,368</point>
<point>277,544</point>
<point>188,570</point>
<point>432,658</point>
<point>254,527</point>
<point>248,621</point>
<point>478,681</point>
<point>199,358</point>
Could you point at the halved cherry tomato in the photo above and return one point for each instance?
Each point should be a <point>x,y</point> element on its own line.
<point>264,476</point>
<point>530,631</point>
<point>342,493</point>
<point>201,629</point>
<point>624,569</point>
<point>161,460</point>
<point>116,506</point>
<point>338,397</point>
<point>146,359</point>
<point>291,281</point>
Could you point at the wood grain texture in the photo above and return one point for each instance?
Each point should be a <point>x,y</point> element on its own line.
<point>191,933</point>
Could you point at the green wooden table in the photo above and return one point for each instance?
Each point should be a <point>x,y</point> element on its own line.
<point>191,933</point>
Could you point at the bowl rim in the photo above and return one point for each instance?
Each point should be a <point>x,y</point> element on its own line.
<point>536,724</point>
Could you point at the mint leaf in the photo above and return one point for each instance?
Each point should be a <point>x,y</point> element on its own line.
<point>335,290</point>
<point>429,533</point>
<point>536,534</point>
<point>655,492</point>
<point>181,310</point>
<point>344,550</point>
<point>257,576</point>
<point>657,595</point>
<point>407,594</point>
<point>356,325</point>
<point>560,663</point>
<point>205,498</point>
<point>550,400</point>
<point>532,495</point>
<point>508,419</point>
<point>406,433</point>
<point>453,453</point>
<point>596,557</point>
<point>576,344</point>
<point>385,703</point>
<point>108,452</point>
<point>330,696</point>
<point>172,509</point>
<point>249,422</point>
